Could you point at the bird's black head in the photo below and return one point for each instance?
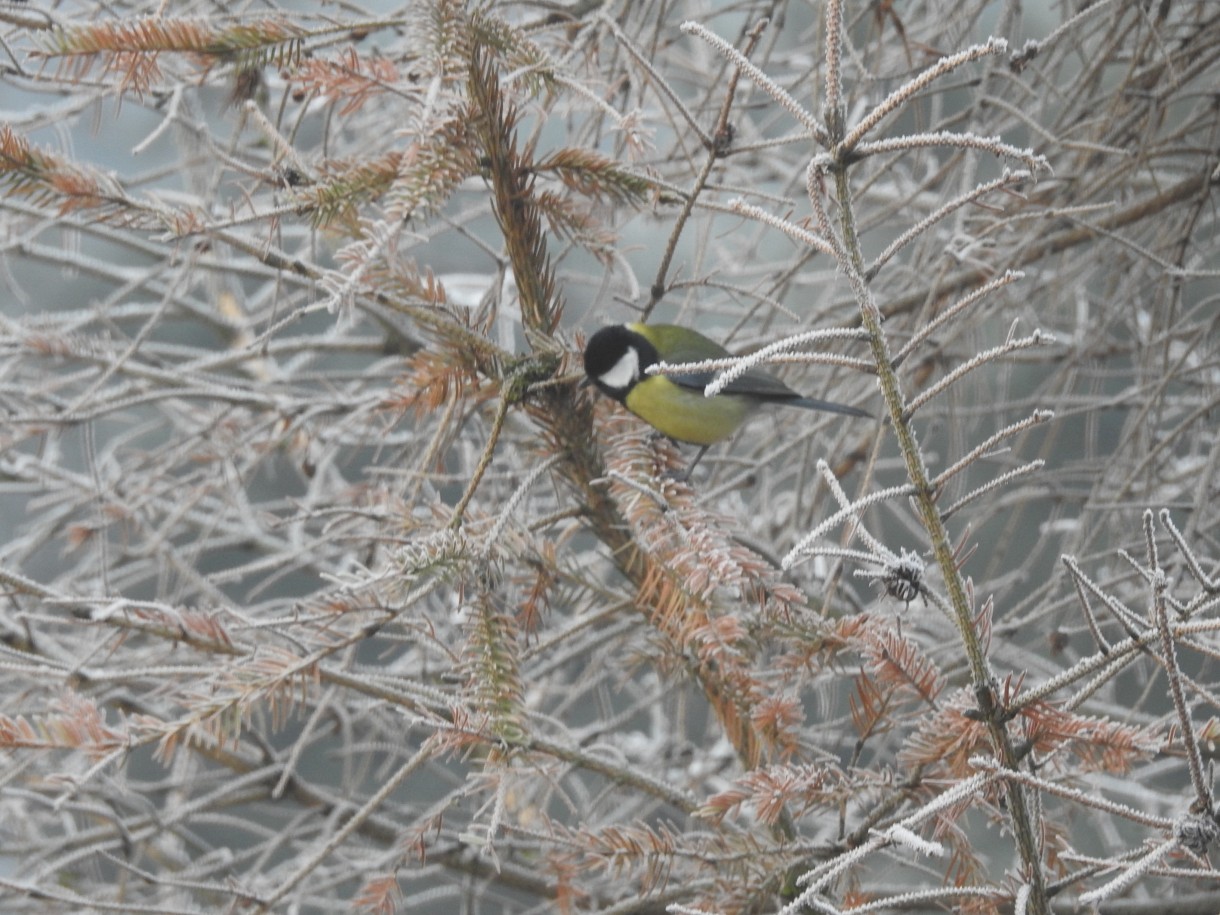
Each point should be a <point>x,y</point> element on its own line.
<point>616,357</point>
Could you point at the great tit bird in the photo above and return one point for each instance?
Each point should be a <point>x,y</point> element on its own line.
<point>617,359</point>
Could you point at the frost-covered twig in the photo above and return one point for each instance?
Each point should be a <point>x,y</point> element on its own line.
<point>814,880</point>
<point>1006,180</point>
<point>798,234</point>
<point>947,140</point>
<point>991,485</point>
<point>904,93</point>
<point>759,78</point>
<point>989,443</point>
<point>1012,345</point>
<point>743,364</point>
<point>852,510</point>
<point>955,310</point>
<point>1130,874</point>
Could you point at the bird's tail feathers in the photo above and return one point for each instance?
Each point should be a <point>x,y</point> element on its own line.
<point>811,403</point>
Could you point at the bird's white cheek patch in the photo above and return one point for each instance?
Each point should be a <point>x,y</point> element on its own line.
<point>625,372</point>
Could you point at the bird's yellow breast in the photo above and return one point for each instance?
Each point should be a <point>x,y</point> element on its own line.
<point>684,414</point>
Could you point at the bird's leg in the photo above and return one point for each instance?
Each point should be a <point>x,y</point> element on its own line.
<point>684,476</point>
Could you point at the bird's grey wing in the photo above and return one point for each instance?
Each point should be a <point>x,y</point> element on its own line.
<point>755,382</point>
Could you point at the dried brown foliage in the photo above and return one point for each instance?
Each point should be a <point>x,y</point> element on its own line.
<point>326,586</point>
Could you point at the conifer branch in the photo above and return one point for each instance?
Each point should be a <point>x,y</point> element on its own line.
<point>518,215</point>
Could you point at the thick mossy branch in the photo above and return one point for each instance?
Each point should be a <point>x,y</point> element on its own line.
<point>674,607</point>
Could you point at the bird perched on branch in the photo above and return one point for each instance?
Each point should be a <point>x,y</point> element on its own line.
<point>617,359</point>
